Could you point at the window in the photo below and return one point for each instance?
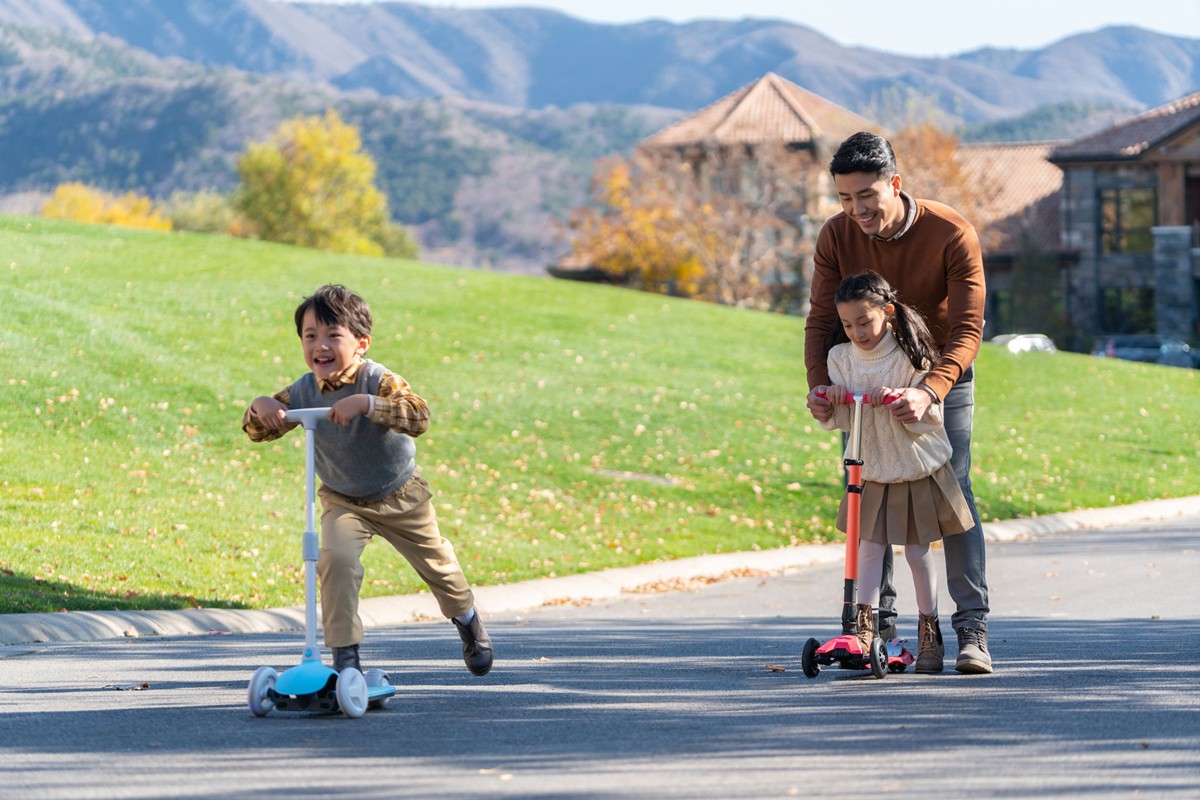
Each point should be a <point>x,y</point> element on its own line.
<point>1126,216</point>
<point>1127,310</point>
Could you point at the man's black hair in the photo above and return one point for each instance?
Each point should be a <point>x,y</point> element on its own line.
<point>864,152</point>
<point>336,305</point>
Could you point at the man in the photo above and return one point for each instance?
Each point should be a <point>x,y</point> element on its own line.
<point>931,256</point>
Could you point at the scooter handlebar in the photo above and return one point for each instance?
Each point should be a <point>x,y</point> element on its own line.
<point>307,417</point>
<point>861,397</point>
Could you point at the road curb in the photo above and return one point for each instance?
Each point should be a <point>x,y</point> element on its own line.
<point>81,626</point>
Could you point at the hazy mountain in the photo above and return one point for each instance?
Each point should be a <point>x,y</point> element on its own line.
<point>481,185</point>
<point>484,124</point>
<point>534,58</point>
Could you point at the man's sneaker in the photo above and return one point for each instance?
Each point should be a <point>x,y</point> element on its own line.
<point>477,646</point>
<point>973,655</point>
<point>346,657</point>
<point>931,651</point>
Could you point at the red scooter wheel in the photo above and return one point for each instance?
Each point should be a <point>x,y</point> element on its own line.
<point>808,659</point>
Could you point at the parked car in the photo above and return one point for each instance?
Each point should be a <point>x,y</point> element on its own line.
<point>1145,347</point>
<point>1025,342</point>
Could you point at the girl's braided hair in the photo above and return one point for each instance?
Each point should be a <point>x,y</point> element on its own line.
<point>908,326</point>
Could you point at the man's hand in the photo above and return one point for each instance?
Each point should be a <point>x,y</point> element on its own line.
<point>820,407</point>
<point>911,405</point>
<point>346,410</point>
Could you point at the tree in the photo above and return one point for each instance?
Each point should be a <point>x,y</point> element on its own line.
<point>312,185</point>
<point>726,226</point>
<point>83,203</point>
<point>928,162</point>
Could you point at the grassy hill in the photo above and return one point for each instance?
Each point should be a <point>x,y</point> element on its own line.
<point>575,427</point>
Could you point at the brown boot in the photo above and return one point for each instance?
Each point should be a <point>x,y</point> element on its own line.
<point>866,627</point>
<point>931,652</point>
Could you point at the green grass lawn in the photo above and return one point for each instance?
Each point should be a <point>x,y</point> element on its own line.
<point>575,427</point>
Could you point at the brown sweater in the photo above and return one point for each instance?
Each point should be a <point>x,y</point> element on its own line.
<point>935,266</point>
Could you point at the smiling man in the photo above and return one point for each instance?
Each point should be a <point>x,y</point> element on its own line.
<point>931,257</point>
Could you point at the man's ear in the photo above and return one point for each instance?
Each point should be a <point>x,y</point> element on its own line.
<point>896,183</point>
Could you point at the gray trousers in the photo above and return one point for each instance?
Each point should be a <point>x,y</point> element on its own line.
<point>966,561</point>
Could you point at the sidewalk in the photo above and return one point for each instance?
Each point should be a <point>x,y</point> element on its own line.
<point>82,626</point>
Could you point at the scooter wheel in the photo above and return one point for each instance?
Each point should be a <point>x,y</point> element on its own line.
<point>351,692</point>
<point>878,658</point>
<point>377,677</point>
<point>808,659</point>
<point>258,693</point>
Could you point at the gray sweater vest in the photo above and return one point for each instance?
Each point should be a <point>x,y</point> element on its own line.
<point>363,460</point>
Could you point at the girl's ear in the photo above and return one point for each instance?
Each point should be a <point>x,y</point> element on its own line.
<point>889,310</point>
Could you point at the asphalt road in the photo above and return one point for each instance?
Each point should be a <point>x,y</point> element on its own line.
<point>680,694</point>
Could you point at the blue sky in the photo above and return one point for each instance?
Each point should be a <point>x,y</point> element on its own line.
<point>918,27</point>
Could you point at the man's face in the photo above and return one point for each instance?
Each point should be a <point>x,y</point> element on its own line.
<point>871,201</point>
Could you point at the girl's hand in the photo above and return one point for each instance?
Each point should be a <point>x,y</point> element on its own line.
<point>347,409</point>
<point>880,396</point>
<point>270,412</point>
<point>837,394</point>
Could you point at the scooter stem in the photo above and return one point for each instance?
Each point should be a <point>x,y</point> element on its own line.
<point>309,417</point>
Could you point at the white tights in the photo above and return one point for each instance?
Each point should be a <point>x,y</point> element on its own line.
<point>920,563</point>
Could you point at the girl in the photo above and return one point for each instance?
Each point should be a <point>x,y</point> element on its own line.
<point>910,495</point>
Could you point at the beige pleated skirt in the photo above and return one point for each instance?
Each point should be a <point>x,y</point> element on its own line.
<point>917,512</point>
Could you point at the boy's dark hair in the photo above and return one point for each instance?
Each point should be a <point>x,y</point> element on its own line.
<point>910,330</point>
<point>336,305</point>
<point>864,152</point>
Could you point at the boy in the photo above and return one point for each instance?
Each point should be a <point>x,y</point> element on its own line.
<point>366,459</point>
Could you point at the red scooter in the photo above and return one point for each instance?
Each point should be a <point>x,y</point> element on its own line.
<point>846,650</point>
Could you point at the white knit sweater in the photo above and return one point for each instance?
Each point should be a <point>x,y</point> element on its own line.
<point>892,452</point>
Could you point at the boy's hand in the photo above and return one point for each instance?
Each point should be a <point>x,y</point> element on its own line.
<point>270,412</point>
<point>347,409</point>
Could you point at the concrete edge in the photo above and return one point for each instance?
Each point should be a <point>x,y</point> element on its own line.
<point>82,626</point>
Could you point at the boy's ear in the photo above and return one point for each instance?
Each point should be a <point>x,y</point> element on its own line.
<point>364,342</point>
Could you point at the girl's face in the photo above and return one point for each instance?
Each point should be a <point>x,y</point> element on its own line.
<point>864,323</point>
<point>330,349</point>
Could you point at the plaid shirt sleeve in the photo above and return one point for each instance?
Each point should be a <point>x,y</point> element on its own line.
<point>256,430</point>
<point>397,407</point>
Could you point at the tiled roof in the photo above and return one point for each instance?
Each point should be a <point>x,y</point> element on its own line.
<point>1130,139</point>
<point>1022,192</point>
<point>772,109</point>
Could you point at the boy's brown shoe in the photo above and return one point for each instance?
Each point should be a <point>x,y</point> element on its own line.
<point>477,645</point>
<point>931,650</point>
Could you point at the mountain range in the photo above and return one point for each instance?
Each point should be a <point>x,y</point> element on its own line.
<point>533,58</point>
<point>484,123</point>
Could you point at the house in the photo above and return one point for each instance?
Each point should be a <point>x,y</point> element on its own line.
<point>766,144</point>
<point>770,111</point>
<point>1019,219</point>
<point>1092,236</point>
<point>1131,211</point>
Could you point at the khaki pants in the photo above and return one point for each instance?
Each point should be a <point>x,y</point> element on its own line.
<point>408,522</point>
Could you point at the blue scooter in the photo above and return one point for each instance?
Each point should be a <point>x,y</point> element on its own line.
<point>312,686</point>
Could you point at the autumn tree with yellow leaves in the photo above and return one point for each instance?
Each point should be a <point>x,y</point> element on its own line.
<point>728,229</point>
<point>311,184</point>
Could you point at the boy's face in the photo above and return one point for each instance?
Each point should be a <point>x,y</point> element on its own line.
<point>330,349</point>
